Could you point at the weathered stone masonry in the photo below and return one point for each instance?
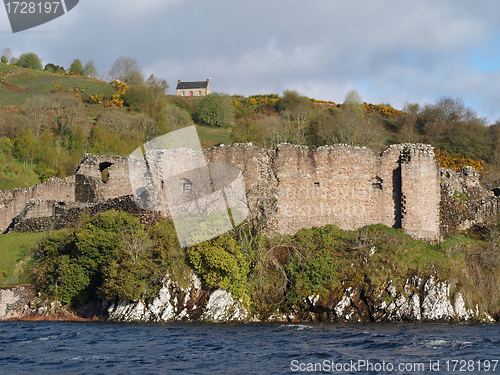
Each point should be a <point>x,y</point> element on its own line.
<point>293,187</point>
<point>351,187</point>
<point>12,202</point>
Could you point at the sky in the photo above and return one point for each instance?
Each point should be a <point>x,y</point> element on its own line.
<point>390,51</point>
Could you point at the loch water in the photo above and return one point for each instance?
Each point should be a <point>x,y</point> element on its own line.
<point>191,348</point>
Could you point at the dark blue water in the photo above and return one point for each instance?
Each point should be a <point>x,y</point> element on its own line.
<point>103,348</point>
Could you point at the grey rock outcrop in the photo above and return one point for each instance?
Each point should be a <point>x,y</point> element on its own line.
<point>422,299</point>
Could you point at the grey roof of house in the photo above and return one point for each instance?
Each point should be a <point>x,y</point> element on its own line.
<point>192,85</point>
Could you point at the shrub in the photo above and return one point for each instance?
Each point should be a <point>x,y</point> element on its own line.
<point>76,67</point>
<point>71,266</point>
<point>30,61</point>
<point>135,96</point>
<point>221,264</point>
<point>215,110</point>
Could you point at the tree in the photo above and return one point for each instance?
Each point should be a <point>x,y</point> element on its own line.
<point>215,110</point>
<point>76,67</point>
<point>90,70</point>
<point>294,105</point>
<point>348,126</point>
<point>36,106</point>
<point>6,55</point>
<point>159,85</point>
<point>127,70</point>
<point>137,95</point>
<point>146,126</point>
<point>54,68</point>
<point>116,121</point>
<point>176,117</point>
<point>30,60</point>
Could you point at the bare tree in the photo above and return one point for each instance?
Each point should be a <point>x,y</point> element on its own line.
<point>127,70</point>
<point>36,107</point>
<point>115,121</point>
<point>348,126</point>
<point>159,85</point>
<point>146,126</point>
<point>90,70</point>
<point>176,117</point>
<point>6,55</point>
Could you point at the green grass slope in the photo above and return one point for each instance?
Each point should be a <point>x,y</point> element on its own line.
<point>15,259</point>
<point>18,84</point>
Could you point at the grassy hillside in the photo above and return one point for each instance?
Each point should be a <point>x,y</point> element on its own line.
<point>14,174</point>
<point>15,258</point>
<point>18,84</point>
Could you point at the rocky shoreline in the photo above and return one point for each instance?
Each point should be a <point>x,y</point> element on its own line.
<point>421,299</point>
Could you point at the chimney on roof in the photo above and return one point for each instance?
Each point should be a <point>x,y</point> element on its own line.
<point>208,79</point>
<point>178,81</point>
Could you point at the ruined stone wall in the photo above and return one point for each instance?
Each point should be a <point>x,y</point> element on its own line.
<point>68,214</point>
<point>12,202</point>
<point>464,202</point>
<point>99,178</point>
<point>257,166</point>
<point>421,192</point>
<point>334,185</point>
<point>293,187</point>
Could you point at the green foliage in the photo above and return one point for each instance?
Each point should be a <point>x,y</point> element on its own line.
<point>15,260</point>
<point>51,68</point>
<point>158,85</point>
<point>314,265</point>
<point>293,101</point>
<point>347,126</point>
<point>76,67</point>
<point>215,110</point>
<point>249,131</point>
<point>104,141</point>
<point>221,264</point>
<point>176,117</point>
<point>13,173</point>
<point>4,60</point>
<point>70,266</point>
<point>110,256</point>
<point>137,95</point>
<point>30,61</point>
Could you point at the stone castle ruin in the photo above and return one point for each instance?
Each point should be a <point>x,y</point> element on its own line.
<point>288,188</point>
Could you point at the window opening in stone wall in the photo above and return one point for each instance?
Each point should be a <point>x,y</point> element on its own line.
<point>316,184</point>
<point>187,186</point>
<point>104,168</point>
<point>377,183</point>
